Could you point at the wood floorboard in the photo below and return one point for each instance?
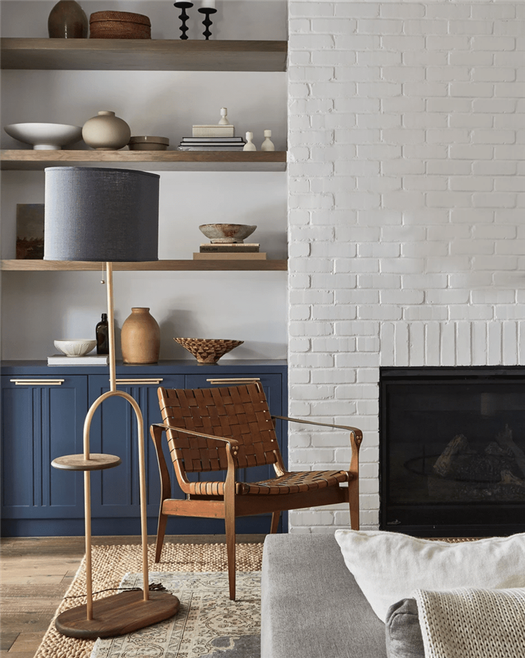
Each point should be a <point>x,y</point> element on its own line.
<point>35,573</point>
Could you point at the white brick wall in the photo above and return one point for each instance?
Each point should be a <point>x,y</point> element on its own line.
<point>406,211</point>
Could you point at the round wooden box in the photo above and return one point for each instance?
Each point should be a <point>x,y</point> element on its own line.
<point>119,25</point>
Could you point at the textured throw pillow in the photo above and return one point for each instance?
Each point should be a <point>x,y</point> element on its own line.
<point>389,566</point>
<point>403,632</point>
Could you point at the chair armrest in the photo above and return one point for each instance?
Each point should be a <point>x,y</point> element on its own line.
<point>233,442</point>
<point>357,432</point>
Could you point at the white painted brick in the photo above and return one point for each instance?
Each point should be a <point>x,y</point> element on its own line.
<point>426,281</point>
<point>445,122</point>
<point>334,344</point>
<point>424,312</point>
<point>332,376</point>
<point>404,297</point>
<point>299,344</point>
<point>470,312</point>
<point>472,247</point>
<point>300,313</point>
<point>335,313</point>
<point>493,43</point>
<point>357,42</point>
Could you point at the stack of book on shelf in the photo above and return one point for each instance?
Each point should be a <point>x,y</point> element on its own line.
<point>212,144</point>
<point>88,360</point>
<point>230,251</point>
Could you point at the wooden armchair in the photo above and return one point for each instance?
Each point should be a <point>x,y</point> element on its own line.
<point>222,429</point>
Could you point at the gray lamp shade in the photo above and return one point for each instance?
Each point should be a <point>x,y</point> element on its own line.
<point>99,214</point>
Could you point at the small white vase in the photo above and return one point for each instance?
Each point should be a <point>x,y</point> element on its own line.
<point>106,132</point>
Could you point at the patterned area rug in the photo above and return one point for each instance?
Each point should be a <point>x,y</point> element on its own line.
<point>208,624</point>
<point>194,561</point>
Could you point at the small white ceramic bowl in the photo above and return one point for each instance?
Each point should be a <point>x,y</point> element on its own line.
<point>226,233</point>
<point>75,347</point>
<point>45,136</point>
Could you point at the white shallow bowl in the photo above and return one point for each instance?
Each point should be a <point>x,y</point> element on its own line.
<point>75,347</point>
<point>45,136</point>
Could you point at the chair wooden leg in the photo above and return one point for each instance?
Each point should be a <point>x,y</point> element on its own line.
<point>230,546</point>
<point>161,531</point>
<point>353,501</point>
<point>275,522</point>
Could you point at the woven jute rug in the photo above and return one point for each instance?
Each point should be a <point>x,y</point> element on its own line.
<point>206,594</point>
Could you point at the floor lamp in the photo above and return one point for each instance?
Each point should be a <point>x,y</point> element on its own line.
<point>106,215</point>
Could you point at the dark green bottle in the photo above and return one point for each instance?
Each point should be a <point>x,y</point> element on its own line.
<point>102,335</point>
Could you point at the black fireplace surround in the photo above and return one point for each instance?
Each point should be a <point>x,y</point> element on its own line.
<point>452,450</point>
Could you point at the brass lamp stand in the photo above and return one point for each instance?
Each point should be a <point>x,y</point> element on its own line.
<point>115,213</point>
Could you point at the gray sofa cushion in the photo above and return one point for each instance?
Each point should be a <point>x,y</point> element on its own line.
<point>311,604</point>
<point>403,632</point>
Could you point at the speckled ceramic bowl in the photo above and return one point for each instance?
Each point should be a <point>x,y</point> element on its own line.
<point>226,233</point>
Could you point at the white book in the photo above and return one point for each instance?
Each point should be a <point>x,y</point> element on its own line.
<point>89,360</point>
<point>213,131</point>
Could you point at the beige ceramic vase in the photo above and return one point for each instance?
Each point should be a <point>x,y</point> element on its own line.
<point>106,132</point>
<point>140,337</point>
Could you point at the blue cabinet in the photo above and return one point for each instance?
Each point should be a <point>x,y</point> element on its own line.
<point>43,419</point>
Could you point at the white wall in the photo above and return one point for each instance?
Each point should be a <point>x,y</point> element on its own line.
<point>38,307</point>
<point>406,206</point>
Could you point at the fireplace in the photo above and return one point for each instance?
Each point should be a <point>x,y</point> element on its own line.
<point>452,451</point>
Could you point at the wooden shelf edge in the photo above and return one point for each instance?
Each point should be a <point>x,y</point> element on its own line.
<point>35,160</point>
<point>29,265</point>
<point>143,54</point>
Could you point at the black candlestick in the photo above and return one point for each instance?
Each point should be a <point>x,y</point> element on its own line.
<point>183,17</point>
<point>207,22</point>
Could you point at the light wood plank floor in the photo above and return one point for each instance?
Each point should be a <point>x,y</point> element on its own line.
<point>35,574</point>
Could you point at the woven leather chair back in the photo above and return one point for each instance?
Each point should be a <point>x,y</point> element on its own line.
<point>237,412</point>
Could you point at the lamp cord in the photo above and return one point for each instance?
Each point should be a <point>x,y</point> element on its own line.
<point>153,587</point>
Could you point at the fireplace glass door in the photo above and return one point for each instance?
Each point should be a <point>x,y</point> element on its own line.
<point>452,451</point>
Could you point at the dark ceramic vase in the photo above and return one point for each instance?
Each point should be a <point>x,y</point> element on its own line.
<point>67,20</point>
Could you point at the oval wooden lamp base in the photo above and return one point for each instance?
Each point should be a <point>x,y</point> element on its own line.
<point>117,615</point>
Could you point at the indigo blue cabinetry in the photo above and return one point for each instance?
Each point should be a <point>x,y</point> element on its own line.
<point>43,419</point>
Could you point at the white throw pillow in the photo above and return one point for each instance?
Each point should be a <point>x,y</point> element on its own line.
<point>389,566</point>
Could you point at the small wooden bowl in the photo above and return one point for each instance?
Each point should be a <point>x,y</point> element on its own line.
<point>148,143</point>
<point>119,25</point>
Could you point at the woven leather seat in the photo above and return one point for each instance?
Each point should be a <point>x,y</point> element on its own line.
<point>285,484</point>
<point>224,429</point>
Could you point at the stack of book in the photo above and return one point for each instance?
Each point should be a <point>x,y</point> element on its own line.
<point>212,144</point>
<point>230,251</point>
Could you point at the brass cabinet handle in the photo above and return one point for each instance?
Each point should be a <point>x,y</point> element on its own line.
<point>140,381</point>
<point>38,382</point>
<point>234,380</point>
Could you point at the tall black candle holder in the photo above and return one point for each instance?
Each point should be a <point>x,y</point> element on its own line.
<point>183,17</point>
<point>207,11</point>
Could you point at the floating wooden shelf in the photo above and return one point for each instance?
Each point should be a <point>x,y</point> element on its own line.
<point>143,55</point>
<point>31,160</point>
<point>30,265</point>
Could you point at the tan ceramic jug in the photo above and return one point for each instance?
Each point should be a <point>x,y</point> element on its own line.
<point>106,132</point>
<point>140,337</point>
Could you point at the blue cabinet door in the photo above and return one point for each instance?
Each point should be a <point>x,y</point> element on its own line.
<point>115,493</point>
<point>42,418</point>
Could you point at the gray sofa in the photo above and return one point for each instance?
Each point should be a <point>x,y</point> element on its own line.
<point>311,605</point>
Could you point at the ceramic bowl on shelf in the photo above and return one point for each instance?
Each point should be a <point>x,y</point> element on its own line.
<point>148,143</point>
<point>75,347</point>
<point>226,233</point>
<point>208,350</point>
<point>45,136</point>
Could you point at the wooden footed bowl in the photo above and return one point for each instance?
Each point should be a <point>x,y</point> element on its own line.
<point>208,350</point>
